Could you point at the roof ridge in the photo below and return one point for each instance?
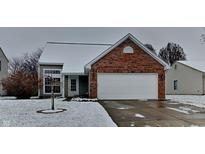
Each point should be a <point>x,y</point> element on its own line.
<point>80,43</point>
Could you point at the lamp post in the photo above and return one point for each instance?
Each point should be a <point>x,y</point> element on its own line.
<point>52,83</point>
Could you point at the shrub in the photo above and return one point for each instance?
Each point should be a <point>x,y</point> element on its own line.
<point>22,80</point>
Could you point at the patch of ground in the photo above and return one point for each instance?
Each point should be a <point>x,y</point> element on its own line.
<point>22,113</point>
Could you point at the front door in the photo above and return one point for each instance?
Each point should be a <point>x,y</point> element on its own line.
<point>73,86</point>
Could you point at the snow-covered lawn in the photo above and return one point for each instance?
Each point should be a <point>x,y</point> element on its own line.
<point>195,100</point>
<point>22,113</point>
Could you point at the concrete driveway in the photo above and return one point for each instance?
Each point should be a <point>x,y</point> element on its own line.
<point>147,113</point>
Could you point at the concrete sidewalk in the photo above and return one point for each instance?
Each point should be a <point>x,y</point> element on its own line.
<point>147,113</point>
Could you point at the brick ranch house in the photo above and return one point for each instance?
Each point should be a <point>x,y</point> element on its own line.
<point>124,70</point>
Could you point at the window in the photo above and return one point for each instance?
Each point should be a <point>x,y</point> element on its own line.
<point>55,82</point>
<point>128,49</point>
<point>175,84</point>
<point>52,82</point>
<point>52,71</point>
<point>73,85</point>
<point>0,65</point>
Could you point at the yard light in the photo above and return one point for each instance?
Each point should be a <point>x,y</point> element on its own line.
<point>53,83</point>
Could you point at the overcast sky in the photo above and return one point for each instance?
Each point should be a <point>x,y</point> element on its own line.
<point>16,41</point>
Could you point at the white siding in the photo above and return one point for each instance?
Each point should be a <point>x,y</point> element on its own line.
<point>190,81</point>
<point>4,70</point>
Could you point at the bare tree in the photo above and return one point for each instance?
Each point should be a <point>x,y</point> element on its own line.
<point>23,81</point>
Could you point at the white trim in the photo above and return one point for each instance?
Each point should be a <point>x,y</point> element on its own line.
<point>48,63</point>
<point>136,41</point>
<point>55,76</point>
<point>80,73</point>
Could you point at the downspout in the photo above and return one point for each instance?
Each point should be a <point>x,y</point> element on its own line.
<point>87,71</point>
<point>63,86</point>
<point>89,84</point>
<point>39,77</point>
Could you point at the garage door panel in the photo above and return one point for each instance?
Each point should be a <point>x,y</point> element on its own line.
<point>127,86</point>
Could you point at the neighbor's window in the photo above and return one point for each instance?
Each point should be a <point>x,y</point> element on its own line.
<point>0,65</point>
<point>128,49</point>
<point>175,84</point>
<point>73,85</point>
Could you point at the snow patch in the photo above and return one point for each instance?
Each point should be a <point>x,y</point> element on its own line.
<point>139,115</point>
<point>132,124</point>
<point>188,109</point>
<point>123,108</point>
<point>52,111</point>
<point>194,126</point>
<point>178,110</point>
<point>7,98</point>
<point>78,99</point>
<point>195,100</point>
<point>173,103</point>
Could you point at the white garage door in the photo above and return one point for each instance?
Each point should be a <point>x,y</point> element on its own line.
<point>127,86</point>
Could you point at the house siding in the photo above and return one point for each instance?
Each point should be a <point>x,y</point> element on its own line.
<point>118,62</point>
<point>42,67</point>
<point>4,70</point>
<point>190,81</point>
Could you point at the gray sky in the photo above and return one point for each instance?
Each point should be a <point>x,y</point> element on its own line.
<point>16,41</point>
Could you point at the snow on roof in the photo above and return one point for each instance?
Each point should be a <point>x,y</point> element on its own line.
<point>198,65</point>
<point>73,57</point>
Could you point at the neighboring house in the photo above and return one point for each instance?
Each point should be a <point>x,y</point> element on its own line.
<point>186,78</point>
<point>3,70</point>
<point>124,70</point>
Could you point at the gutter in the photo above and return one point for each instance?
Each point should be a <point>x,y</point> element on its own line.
<point>48,63</point>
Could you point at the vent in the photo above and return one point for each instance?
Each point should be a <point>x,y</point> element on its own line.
<point>128,49</point>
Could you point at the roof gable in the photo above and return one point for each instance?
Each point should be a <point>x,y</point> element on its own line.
<point>4,54</point>
<point>137,42</point>
<point>196,65</point>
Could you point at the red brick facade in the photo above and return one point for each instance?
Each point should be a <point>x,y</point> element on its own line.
<point>118,62</point>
